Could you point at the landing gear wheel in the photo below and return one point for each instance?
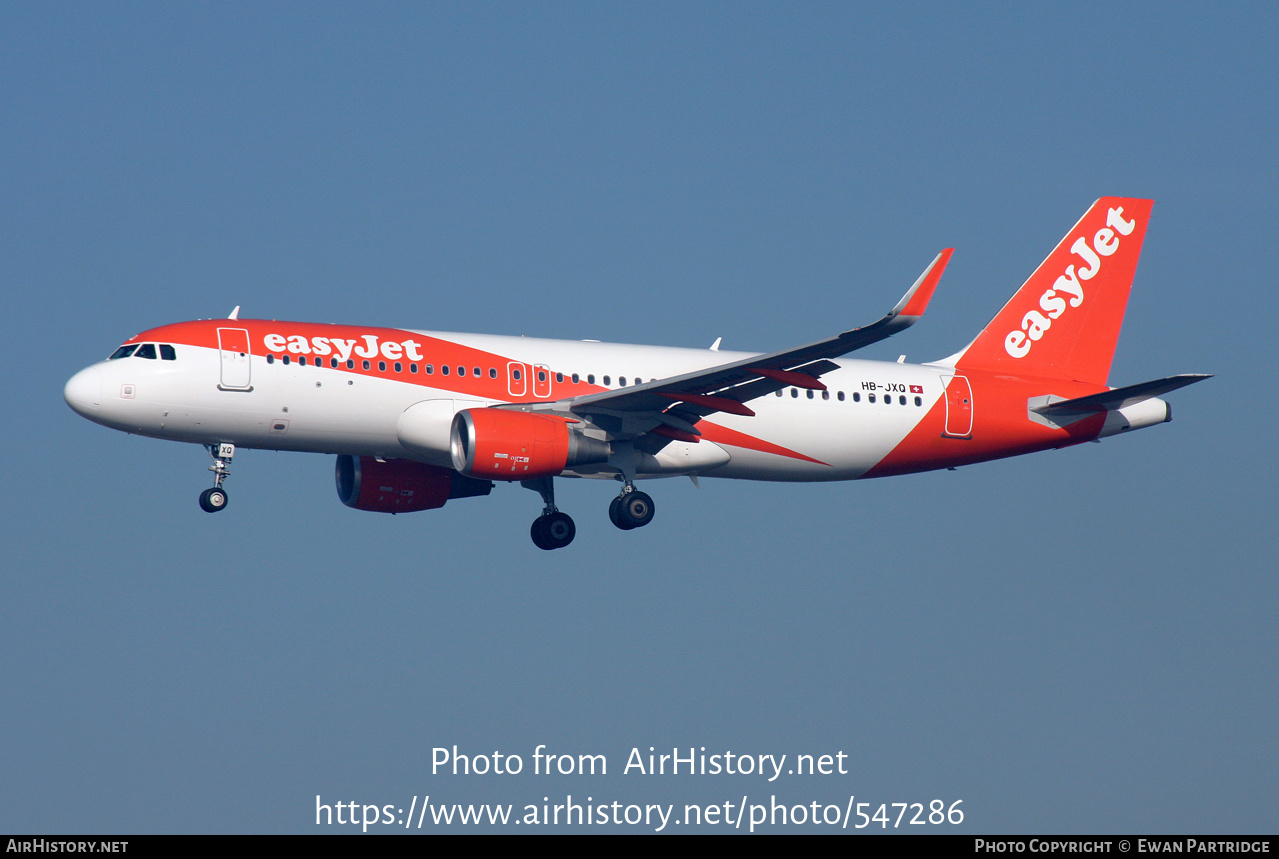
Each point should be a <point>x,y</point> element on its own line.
<point>213,500</point>
<point>636,508</point>
<point>615,515</point>
<point>559,529</point>
<point>632,510</point>
<point>554,531</point>
<point>538,533</point>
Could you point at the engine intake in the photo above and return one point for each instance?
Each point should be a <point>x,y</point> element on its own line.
<point>503,444</point>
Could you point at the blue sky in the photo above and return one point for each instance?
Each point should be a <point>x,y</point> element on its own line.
<point>1076,641</point>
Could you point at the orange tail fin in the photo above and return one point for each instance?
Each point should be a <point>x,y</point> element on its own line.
<point>1065,319</point>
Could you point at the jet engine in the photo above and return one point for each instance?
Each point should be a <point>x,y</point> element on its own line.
<point>504,444</point>
<point>401,485</point>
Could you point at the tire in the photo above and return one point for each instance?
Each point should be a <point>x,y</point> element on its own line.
<point>213,500</point>
<point>615,515</point>
<point>635,509</point>
<point>538,532</point>
<point>559,530</point>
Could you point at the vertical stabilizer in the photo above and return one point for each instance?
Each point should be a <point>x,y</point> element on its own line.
<point>1065,320</point>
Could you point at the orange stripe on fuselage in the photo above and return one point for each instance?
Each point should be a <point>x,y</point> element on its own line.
<point>724,435</point>
<point>433,350</point>
<point>438,352</point>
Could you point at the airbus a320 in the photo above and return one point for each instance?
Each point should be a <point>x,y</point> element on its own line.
<point>417,418</point>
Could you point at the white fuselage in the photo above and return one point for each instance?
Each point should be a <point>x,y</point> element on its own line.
<point>867,409</point>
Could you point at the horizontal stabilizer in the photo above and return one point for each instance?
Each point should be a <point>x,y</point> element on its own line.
<point>1120,398</point>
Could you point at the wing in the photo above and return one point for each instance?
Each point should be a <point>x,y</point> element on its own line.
<point>673,405</point>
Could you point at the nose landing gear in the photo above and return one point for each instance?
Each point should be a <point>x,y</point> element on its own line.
<point>215,499</point>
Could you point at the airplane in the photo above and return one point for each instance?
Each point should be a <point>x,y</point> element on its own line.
<point>418,418</point>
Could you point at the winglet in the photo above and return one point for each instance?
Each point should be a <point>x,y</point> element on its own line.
<point>916,299</point>
<point>235,314</point>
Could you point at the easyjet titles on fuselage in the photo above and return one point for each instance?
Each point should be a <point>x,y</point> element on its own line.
<point>299,345</point>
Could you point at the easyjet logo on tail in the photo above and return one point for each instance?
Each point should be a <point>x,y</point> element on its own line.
<point>1068,289</point>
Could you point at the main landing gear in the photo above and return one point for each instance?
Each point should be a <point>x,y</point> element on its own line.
<point>214,499</point>
<point>631,509</point>
<point>553,529</point>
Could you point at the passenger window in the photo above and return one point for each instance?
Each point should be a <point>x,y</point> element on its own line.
<point>399,368</point>
<point>902,400</point>
<point>857,398</point>
<point>430,369</point>
<point>541,376</point>
<point>810,393</point>
<point>333,362</point>
<point>350,363</point>
<point>871,398</point>
<point>575,378</point>
<point>381,366</point>
<point>606,381</point>
<point>621,381</point>
<point>779,392</point>
<point>366,365</point>
<point>146,350</point>
<point>270,359</point>
<point>123,352</point>
<point>413,368</point>
<point>590,379</point>
<point>492,372</point>
<point>444,370</point>
<point>794,392</point>
<point>478,373</point>
<point>840,395</point>
<point>285,359</point>
<point>167,352</point>
<point>461,371</point>
<point>559,377</point>
<point>919,401</point>
<point>825,395</point>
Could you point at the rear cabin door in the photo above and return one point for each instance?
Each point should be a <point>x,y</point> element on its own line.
<point>959,407</point>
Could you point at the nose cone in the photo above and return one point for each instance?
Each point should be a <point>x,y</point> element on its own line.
<point>83,392</point>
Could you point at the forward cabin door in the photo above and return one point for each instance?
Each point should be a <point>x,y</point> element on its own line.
<point>233,347</point>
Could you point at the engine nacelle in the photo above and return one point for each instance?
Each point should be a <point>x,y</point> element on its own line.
<point>401,485</point>
<point>504,444</point>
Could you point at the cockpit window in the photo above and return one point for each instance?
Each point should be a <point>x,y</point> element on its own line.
<point>146,350</point>
<point>123,352</point>
<point>167,352</point>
